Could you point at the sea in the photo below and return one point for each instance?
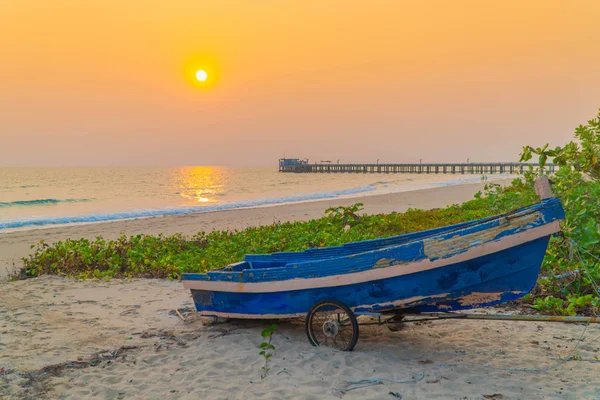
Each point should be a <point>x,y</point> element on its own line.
<point>38,197</point>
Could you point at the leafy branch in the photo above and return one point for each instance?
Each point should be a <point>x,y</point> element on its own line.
<point>348,215</point>
<point>582,155</point>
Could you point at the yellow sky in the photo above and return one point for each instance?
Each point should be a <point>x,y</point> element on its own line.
<point>104,82</point>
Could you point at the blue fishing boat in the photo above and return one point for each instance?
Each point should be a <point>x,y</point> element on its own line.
<point>468,265</point>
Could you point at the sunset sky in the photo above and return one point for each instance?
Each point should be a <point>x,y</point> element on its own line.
<point>111,82</point>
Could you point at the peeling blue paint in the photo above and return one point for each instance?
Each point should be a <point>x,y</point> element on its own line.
<point>482,281</point>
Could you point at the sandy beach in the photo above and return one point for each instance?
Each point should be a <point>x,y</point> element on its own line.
<point>123,340</point>
<point>68,339</point>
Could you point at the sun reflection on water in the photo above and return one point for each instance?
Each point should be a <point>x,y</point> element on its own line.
<point>201,184</point>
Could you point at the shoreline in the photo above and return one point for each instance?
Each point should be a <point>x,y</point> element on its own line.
<point>373,189</point>
<point>15,244</point>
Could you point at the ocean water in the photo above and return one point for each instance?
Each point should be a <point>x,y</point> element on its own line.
<point>34,197</point>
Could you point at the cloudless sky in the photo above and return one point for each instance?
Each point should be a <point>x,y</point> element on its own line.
<point>107,82</point>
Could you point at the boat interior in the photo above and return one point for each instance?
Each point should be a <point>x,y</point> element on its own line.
<point>262,261</point>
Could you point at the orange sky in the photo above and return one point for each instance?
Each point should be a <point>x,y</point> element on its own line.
<point>103,82</point>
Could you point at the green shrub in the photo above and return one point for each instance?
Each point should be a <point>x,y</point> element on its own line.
<point>577,182</point>
<point>170,256</point>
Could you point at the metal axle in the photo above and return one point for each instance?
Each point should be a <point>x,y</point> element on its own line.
<point>508,317</point>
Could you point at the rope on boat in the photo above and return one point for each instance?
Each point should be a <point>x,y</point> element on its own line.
<point>577,244</point>
<point>362,383</point>
<point>561,276</point>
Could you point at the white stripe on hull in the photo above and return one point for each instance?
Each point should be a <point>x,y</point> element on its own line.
<point>376,273</point>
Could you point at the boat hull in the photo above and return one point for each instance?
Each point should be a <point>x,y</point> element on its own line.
<point>482,281</point>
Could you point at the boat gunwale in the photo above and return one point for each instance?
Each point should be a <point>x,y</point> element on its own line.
<point>375,274</point>
<point>515,214</point>
<point>438,231</point>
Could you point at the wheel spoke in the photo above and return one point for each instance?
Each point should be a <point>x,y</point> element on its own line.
<point>330,325</point>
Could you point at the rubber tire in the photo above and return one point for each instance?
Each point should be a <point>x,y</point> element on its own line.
<point>344,307</point>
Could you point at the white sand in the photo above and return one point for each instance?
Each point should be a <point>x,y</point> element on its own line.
<point>51,320</point>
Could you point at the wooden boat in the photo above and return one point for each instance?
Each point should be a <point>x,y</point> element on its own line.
<point>473,264</point>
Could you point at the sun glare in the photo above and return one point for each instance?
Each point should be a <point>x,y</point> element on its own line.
<point>201,75</point>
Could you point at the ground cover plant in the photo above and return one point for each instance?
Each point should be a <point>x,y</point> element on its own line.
<point>570,272</point>
<point>170,256</point>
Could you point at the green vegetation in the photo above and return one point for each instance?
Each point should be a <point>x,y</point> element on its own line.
<point>265,349</point>
<point>170,256</point>
<point>577,182</point>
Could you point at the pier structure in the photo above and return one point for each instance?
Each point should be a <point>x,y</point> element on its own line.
<point>303,166</point>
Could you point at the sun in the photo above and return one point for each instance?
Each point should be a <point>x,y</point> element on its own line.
<point>201,75</point>
<point>201,71</point>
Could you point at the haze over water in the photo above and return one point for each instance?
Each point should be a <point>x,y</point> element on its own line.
<point>32,197</point>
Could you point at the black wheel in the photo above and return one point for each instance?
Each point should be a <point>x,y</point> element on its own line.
<point>332,324</point>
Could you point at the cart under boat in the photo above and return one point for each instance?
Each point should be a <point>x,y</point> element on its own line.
<point>469,265</point>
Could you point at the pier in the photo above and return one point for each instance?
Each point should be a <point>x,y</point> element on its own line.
<point>296,165</point>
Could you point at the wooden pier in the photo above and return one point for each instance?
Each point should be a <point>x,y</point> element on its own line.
<point>302,166</point>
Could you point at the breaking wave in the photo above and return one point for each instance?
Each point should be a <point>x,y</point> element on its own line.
<point>101,217</point>
<point>39,202</point>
